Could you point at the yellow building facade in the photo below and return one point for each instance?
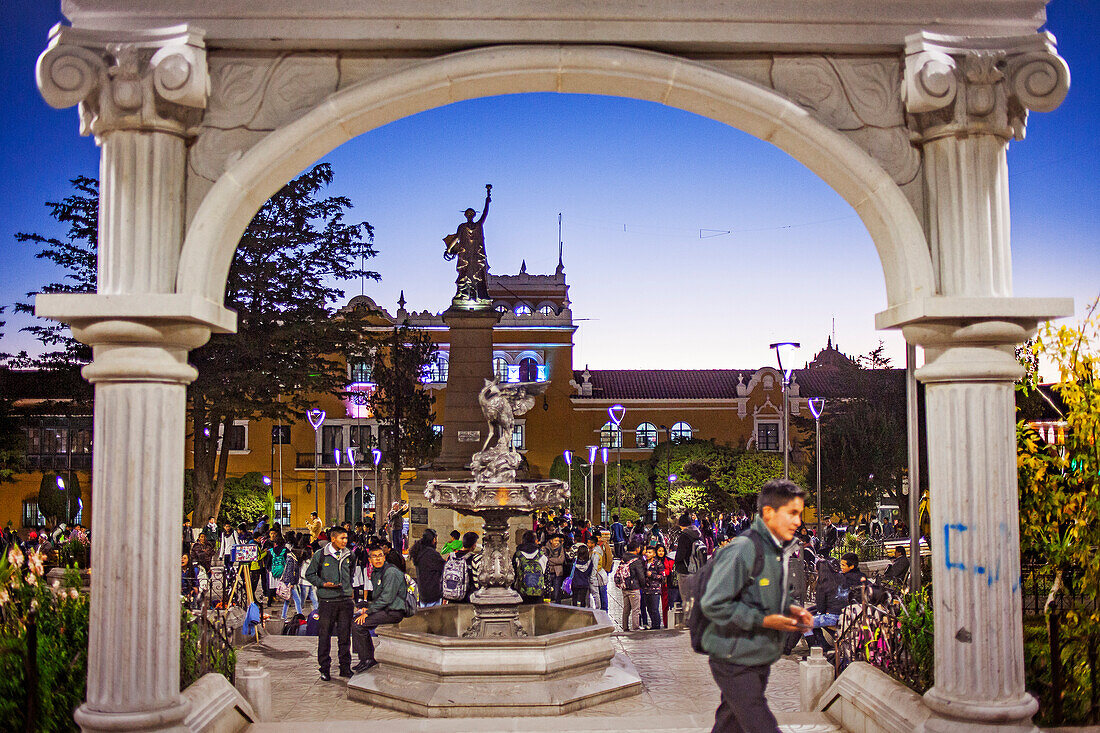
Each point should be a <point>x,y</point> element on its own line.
<point>310,469</point>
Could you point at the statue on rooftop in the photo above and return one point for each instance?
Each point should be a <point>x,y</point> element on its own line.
<point>468,245</point>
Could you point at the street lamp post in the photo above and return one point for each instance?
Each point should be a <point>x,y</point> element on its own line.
<point>61,487</point>
<point>789,347</point>
<point>591,481</point>
<point>603,506</point>
<point>336,459</point>
<point>357,501</point>
<point>568,456</point>
<point>616,413</point>
<point>376,457</point>
<point>316,419</point>
<point>817,406</point>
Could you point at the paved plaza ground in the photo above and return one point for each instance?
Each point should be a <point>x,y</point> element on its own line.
<point>676,681</point>
<point>678,692</point>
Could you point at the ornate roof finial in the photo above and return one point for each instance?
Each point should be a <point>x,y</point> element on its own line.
<point>523,267</point>
<point>401,301</point>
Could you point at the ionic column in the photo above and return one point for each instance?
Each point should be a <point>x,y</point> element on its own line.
<point>967,98</point>
<point>139,93</point>
<point>971,417</point>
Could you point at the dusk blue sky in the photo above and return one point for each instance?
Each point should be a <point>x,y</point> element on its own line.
<point>635,183</point>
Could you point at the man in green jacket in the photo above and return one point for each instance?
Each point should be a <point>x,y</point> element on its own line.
<point>329,571</point>
<point>386,606</point>
<point>748,615</point>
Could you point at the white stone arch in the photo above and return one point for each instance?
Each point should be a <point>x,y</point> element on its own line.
<point>238,193</point>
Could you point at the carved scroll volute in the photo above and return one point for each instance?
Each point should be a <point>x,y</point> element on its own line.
<point>148,80</point>
<point>980,85</point>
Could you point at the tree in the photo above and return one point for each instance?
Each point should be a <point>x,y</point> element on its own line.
<point>12,440</point>
<point>714,478</point>
<point>864,444</point>
<point>290,343</point>
<point>59,504</point>
<point>401,405</point>
<point>289,340</point>
<point>75,256</point>
<point>1060,482</point>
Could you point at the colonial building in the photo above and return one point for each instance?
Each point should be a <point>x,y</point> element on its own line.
<point>331,468</point>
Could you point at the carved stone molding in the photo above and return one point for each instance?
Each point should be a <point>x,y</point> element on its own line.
<point>152,80</point>
<point>962,86</point>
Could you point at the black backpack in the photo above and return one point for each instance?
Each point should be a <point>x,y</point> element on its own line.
<point>695,585</point>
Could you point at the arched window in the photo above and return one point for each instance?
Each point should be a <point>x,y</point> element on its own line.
<point>681,431</point>
<point>547,310</point>
<point>359,370</point>
<point>646,435</point>
<point>500,368</point>
<point>523,310</point>
<point>611,436</point>
<point>436,372</point>
<point>501,308</point>
<point>528,370</point>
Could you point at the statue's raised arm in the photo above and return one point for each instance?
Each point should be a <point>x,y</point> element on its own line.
<point>488,198</point>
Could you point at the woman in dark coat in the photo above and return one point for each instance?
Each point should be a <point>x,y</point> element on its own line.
<point>429,569</point>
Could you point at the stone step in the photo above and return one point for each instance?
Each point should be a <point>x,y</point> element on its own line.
<point>701,723</point>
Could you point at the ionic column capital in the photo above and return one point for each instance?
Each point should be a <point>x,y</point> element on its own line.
<point>963,86</point>
<point>138,338</point>
<point>140,80</point>
<point>971,339</point>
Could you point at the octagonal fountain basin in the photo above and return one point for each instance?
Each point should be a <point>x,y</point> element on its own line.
<point>566,662</point>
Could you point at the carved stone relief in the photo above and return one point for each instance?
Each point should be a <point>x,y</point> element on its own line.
<point>255,94</point>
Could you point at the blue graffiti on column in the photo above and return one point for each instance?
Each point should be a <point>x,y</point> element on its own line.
<point>990,577</point>
<point>947,545</point>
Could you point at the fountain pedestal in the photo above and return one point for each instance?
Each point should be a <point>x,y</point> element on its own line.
<point>497,656</point>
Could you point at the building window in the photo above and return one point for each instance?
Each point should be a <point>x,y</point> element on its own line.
<point>547,310</point>
<point>646,435</point>
<point>501,308</point>
<point>519,437</point>
<point>611,436</point>
<point>681,431</point>
<point>332,442</point>
<point>528,370</point>
<point>361,437</point>
<point>238,436</point>
<point>49,446</point>
<point>360,371</point>
<point>280,435</point>
<point>282,514</point>
<point>767,436</point>
<point>31,516</point>
<point>500,368</point>
<point>436,370</point>
<point>523,310</point>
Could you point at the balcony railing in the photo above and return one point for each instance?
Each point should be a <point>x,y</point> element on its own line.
<point>58,461</point>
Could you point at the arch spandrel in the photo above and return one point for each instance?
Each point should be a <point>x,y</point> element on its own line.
<point>261,133</point>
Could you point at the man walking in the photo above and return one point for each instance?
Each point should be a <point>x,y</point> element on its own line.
<point>685,544</point>
<point>330,573</point>
<point>386,605</point>
<point>618,536</point>
<point>314,526</point>
<point>630,577</point>
<point>749,614</point>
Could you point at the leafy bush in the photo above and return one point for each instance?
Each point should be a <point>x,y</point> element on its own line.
<point>73,554</point>
<point>203,648</point>
<point>917,637</point>
<point>626,514</point>
<point>58,618</point>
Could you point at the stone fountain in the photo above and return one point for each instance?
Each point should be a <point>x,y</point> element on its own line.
<point>497,656</point>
